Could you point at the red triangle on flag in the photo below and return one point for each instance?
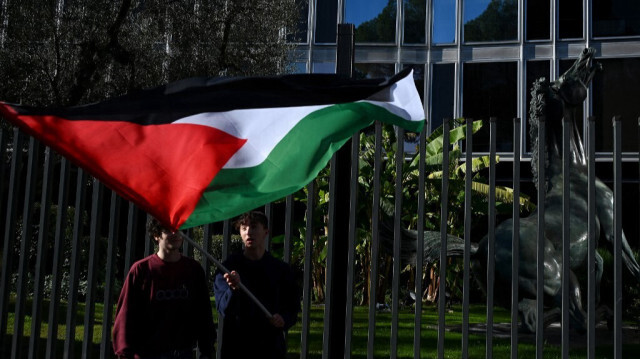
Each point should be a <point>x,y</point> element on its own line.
<point>162,168</point>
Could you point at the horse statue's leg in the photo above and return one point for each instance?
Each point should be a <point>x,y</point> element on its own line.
<point>604,203</point>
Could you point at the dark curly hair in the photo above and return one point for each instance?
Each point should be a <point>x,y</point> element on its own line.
<point>251,217</point>
<point>154,228</point>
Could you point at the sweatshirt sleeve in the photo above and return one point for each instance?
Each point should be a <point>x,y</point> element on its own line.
<point>124,326</point>
<point>223,293</point>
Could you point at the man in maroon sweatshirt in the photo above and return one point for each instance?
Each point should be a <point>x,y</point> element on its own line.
<point>164,308</point>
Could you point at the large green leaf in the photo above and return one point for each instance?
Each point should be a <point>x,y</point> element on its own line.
<point>435,140</point>
<point>504,194</point>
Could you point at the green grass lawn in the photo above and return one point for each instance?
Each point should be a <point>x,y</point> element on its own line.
<point>429,337</point>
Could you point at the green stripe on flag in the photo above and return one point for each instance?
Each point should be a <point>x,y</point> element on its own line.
<point>293,163</point>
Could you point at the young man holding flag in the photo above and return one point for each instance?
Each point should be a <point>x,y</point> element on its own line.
<point>248,332</point>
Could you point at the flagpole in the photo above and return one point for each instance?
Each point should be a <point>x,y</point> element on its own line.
<point>225,270</point>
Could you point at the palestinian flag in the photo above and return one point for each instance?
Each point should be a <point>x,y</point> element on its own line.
<point>207,149</point>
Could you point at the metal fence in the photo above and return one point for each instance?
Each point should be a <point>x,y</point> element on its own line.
<point>68,243</point>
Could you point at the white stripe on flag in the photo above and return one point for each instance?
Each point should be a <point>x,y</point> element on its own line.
<point>263,129</point>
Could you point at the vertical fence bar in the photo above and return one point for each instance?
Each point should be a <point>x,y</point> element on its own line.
<point>417,326</point>
<point>268,212</point>
<point>42,253</point>
<point>329,266</point>
<point>288,229</point>
<point>566,218</point>
<point>617,237</point>
<point>351,254</point>
<point>74,271</point>
<point>148,242</point>
<point>397,245</point>
<point>132,238</point>
<point>375,241</point>
<point>540,240</point>
<point>58,250</point>
<point>444,210</point>
<point>186,250</point>
<point>4,176</point>
<point>206,245</point>
<point>226,241</point>
<point>515,242</point>
<point>308,271</point>
<point>109,298</point>
<point>334,335</point>
<point>25,245</point>
<point>468,199</point>
<point>9,238</point>
<point>491,237</point>
<point>591,228</point>
<point>94,237</point>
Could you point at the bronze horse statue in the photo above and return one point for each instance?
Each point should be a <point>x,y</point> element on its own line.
<point>553,100</point>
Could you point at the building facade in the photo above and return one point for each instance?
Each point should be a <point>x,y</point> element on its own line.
<point>478,58</point>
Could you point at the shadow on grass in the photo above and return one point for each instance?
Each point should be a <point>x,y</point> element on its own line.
<point>41,346</point>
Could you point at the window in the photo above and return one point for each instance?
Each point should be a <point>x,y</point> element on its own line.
<point>570,18</point>
<point>299,67</point>
<point>616,93</point>
<point>375,20</point>
<point>538,17</point>
<point>616,18</point>
<point>300,36</point>
<point>326,21</point>
<point>414,21</point>
<point>324,68</point>
<point>374,71</point>
<point>490,20</point>
<point>442,94</point>
<point>444,21</point>
<point>491,90</point>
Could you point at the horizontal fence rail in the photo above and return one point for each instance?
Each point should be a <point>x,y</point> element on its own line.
<point>411,263</point>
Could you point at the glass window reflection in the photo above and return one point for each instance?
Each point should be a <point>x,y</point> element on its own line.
<point>374,71</point>
<point>444,21</point>
<point>615,93</point>
<point>616,18</point>
<point>442,94</point>
<point>491,90</point>
<point>538,20</point>
<point>375,20</point>
<point>490,20</point>
<point>414,21</point>
<point>300,35</point>
<point>326,21</point>
<point>299,67</point>
<point>324,68</point>
<point>570,18</point>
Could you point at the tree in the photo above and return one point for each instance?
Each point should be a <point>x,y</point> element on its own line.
<point>499,22</point>
<point>73,52</point>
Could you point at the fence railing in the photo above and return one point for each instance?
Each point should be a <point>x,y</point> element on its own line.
<point>68,243</point>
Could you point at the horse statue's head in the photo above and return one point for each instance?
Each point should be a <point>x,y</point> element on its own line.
<point>555,100</point>
<point>571,87</point>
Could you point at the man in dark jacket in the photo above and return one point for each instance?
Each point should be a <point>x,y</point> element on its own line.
<point>248,333</point>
